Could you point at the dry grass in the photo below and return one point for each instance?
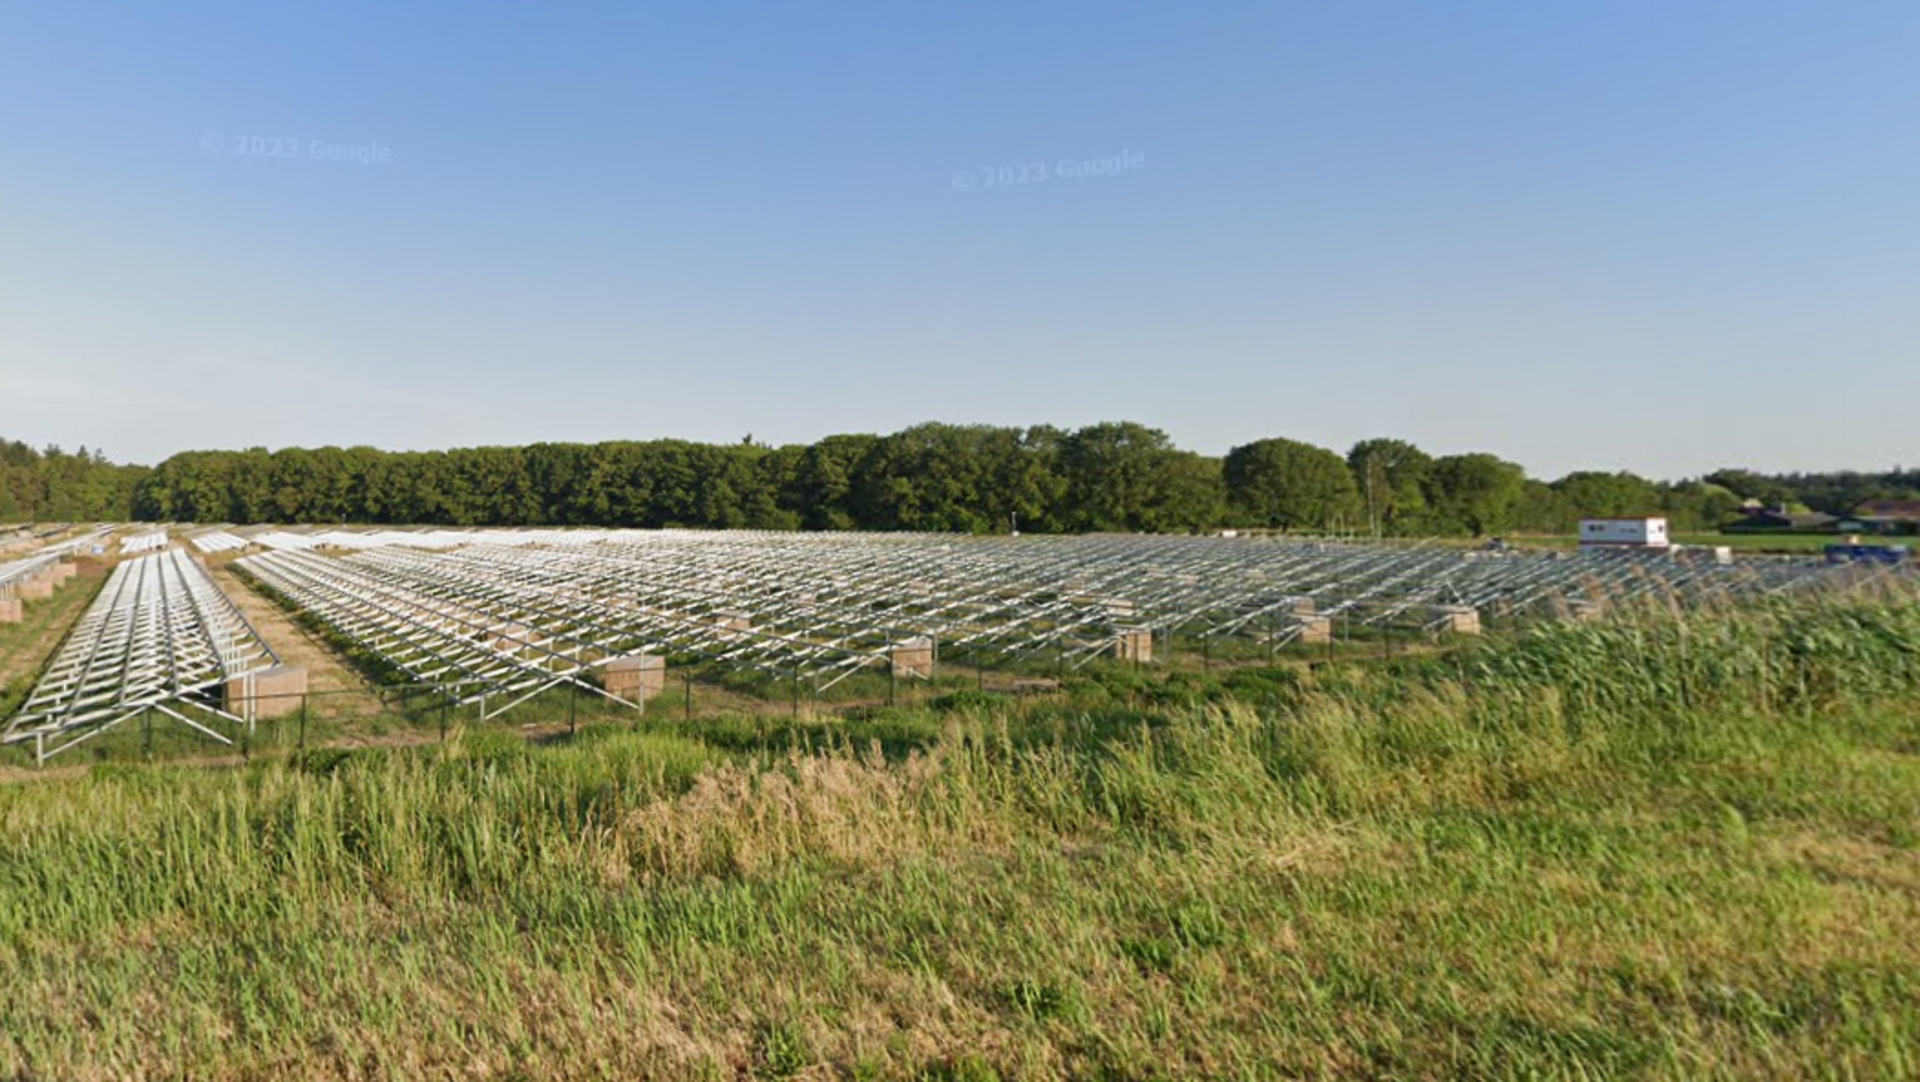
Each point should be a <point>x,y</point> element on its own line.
<point>1593,852</point>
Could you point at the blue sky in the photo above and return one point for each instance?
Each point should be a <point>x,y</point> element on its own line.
<point>1662,236</point>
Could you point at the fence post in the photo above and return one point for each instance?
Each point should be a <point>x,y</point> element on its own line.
<point>303,722</point>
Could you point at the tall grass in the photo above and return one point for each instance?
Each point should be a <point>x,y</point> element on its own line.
<point>1665,845</point>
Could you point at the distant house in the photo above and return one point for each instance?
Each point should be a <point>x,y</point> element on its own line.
<point>1780,520</point>
<point>1883,516</point>
<point>1905,510</point>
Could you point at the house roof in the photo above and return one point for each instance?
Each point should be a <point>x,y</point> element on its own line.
<point>1797,519</point>
<point>1897,509</point>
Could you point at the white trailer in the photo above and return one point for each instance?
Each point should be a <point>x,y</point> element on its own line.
<point>1641,533</point>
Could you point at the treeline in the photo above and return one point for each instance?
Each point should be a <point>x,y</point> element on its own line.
<point>958,478</point>
<point>1835,493</point>
<point>939,477</point>
<point>55,486</point>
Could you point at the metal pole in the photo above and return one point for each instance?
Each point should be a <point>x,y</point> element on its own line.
<point>689,679</point>
<point>303,723</point>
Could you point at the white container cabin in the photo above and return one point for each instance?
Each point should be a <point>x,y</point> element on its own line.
<point>1632,533</point>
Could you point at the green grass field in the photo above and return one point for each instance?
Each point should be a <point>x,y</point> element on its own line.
<point>1794,544</point>
<point>1649,847</point>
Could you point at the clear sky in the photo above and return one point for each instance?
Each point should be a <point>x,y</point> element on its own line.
<point>1663,236</point>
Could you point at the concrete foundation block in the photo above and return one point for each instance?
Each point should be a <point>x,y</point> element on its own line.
<point>516,637</point>
<point>635,676</point>
<point>1315,629</point>
<point>1456,619</point>
<point>913,657</point>
<point>269,693</point>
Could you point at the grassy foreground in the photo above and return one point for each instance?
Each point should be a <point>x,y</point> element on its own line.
<point>1654,847</point>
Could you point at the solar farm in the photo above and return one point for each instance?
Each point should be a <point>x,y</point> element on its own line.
<point>489,619</point>
<point>160,635</point>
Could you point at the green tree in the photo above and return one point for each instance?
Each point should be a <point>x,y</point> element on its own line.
<point>1125,476</point>
<point>1391,476</point>
<point>1287,484</point>
<point>1477,494</point>
<point>1591,494</point>
<point>822,487</point>
<point>1543,509</point>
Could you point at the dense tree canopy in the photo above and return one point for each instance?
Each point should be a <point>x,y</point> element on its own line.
<point>1292,485</point>
<point>1391,478</point>
<point>1477,494</point>
<point>941,477</point>
<point>54,486</point>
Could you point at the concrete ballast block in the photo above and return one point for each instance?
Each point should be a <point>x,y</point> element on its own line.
<point>268,693</point>
<point>914,657</point>
<point>1316,629</point>
<point>1457,619</point>
<point>635,676</point>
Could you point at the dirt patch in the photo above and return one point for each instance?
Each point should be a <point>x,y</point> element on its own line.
<point>334,689</point>
<point>26,646</point>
